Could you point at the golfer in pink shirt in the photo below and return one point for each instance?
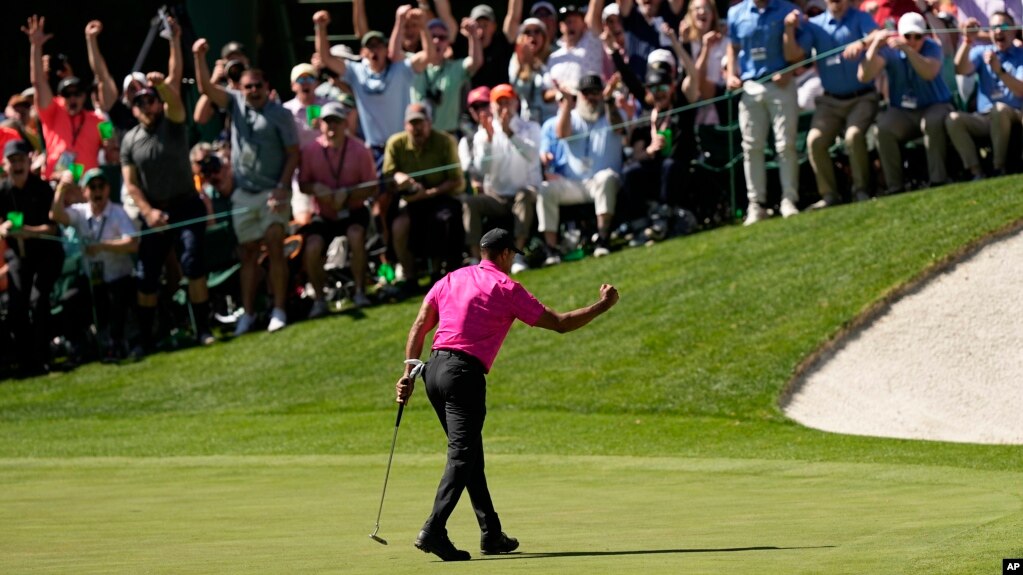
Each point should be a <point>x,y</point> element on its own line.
<point>473,308</point>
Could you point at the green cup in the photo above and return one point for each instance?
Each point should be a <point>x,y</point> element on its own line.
<point>17,219</point>
<point>106,130</point>
<point>76,171</point>
<point>312,112</point>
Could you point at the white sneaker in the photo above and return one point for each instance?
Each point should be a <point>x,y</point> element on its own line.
<point>244,324</point>
<point>278,320</point>
<point>754,214</point>
<point>600,251</point>
<point>319,309</point>
<point>360,300</point>
<point>825,202</point>
<point>553,257</point>
<point>519,264</point>
<point>788,208</point>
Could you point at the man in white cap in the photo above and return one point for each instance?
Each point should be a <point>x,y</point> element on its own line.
<point>919,100</point>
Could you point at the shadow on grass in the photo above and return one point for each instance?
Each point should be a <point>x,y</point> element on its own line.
<point>646,552</point>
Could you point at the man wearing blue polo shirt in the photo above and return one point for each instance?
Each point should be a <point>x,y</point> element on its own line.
<point>999,97</point>
<point>847,103</point>
<point>919,100</point>
<point>756,52</point>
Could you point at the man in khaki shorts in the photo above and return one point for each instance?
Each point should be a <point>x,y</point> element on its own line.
<point>264,155</point>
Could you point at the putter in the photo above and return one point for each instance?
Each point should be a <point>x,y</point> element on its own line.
<point>417,366</point>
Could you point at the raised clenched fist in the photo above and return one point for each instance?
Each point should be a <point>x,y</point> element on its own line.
<point>200,47</point>
<point>321,17</point>
<point>93,29</point>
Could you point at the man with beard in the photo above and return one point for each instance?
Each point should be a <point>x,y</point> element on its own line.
<point>592,162</point>
<point>34,261</point>
<point>334,171</point>
<point>919,100</point>
<point>109,237</point>
<point>664,151</point>
<point>70,131</point>
<point>429,222</point>
<point>999,97</point>
<point>154,163</point>
<point>264,156</point>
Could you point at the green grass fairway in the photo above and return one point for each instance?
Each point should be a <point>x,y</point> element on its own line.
<point>649,442</point>
<point>574,515</point>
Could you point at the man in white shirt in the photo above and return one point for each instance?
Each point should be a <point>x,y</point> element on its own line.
<point>506,150</point>
<point>580,53</point>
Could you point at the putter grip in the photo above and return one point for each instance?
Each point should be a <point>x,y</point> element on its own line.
<point>401,408</point>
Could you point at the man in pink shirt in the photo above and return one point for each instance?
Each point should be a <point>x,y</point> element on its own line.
<point>473,308</point>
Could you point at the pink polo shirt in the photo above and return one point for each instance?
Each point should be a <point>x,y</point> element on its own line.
<point>477,306</point>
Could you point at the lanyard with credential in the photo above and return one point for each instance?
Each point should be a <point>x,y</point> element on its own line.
<point>98,236</point>
<point>76,131</point>
<point>340,163</point>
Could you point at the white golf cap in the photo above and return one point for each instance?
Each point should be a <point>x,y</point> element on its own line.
<point>343,51</point>
<point>610,10</point>
<point>133,77</point>
<point>533,23</point>
<point>661,55</point>
<point>302,70</point>
<point>912,23</point>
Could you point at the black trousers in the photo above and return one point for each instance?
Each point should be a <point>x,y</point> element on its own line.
<point>31,282</point>
<point>457,388</point>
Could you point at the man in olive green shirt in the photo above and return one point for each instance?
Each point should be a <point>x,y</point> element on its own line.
<point>428,220</point>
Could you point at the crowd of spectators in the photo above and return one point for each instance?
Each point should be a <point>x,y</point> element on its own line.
<point>390,163</point>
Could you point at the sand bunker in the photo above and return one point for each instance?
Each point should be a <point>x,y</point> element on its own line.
<point>944,362</point>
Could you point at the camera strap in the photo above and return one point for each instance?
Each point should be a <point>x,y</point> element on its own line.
<point>336,173</point>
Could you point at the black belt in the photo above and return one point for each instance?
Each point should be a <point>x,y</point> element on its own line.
<point>856,94</point>
<point>466,357</point>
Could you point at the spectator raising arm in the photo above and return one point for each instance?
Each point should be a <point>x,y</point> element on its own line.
<point>964,67</point>
<point>359,19</point>
<point>173,109</point>
<point>175,63</point>
<point>420,59</point>
<point>593,17</point>
<point>733,81</point>
<point>690,85</point>
<point>873,62</point>
<point>471,30</point>
<point>443,8</point>
<point>215,93</point>
<point>37,37</point>
<point>793,51</point>
<point>107,86</point>
<point>511,19</point>
<point>320,21</point>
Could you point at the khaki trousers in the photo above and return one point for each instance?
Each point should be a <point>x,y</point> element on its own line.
<point>522,206</point>
<point>855,115</point>
<point>776,107</point>
<point>897,125</point>
<point>962,127</point>
<point>601,189</point>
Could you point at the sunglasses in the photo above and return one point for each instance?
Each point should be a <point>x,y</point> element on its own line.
<point>73,94</point>
<point>306,80</point>
<point>143,101</point>
<point>252,86</point>
<point>658,88</point>
<point>480,106</point>
<point>96,184</point>
<point>589,93</point>
<point>532,32</point>
<point>441,37</point>
<point>913,36</point>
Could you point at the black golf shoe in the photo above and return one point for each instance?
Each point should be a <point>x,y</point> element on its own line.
<point>498,545</point>
<point>440,546</point>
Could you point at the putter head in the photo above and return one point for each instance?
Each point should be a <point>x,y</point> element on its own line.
<point>377,538</point>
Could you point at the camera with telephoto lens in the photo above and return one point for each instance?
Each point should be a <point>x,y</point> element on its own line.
<point>210,165</point>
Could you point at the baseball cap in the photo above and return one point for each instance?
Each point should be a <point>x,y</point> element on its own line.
<point>533,23</point>
<point>232,48</point>
<point>542,6</point>
<point>912,23</point>
<point>502,91</point>
<point>660,55</point>
<point>333,109</point>
<point>499,239</point>
<point>819,4</point>
<point>416,112</point>
<point>15,147</point>
<point>373,35</point>
<point>343,51</point>
<point>29,92</point>
<point>477,95</point>
<point>590,83</point>
<point>302,69</point>
<point>609,11</point>
<point>133,77</point>
<point>92,175</point>
<point>567,11</point>
<point>232,63</point>
<point>346,100</point>
<point>483,11</point>
<point>437,23</point>
<point>70,81</point>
